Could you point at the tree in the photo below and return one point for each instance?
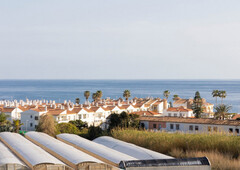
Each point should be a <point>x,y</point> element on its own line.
<point>79,124</point>
<point>215,93</point>
<point>67,128</point>
<point>114,120</point>
<point>94,132</point>
<point>222,94</point>
<point>134,120</point>
<point>94,96</point>
<point>166,93</point>
<point>3,119</point>
<point>77,100</point>
<point>197,105</point>
<point>175,97</point>
<point>87,94</point>
<point>124,118</point>
<point>221,111</point>
<point>47,125</point>
<point>17,124</point>
<point>99,94</point>
<point>126,94</point>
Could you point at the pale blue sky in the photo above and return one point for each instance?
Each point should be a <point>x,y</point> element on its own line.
<point>120,39</point>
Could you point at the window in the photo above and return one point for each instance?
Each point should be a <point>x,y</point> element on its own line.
<point>31,116</point>
<point>237,131</point>
<point>177,126</point>
<point>175,114</point>
<point>215,129</point>
<point>191,127</point>
<point>230,130</point>
<point>180,115</point>
<point>79,116</point>
<point>196,128</point>
<point>171,126</point>
<point>35,126</point>
<point>31,124</point>
<point>159,126</point>
<point>209,129</point>
<point>36,117</point>
<point>169,114</point>
<point>154,126</point>
<point>84,116</point>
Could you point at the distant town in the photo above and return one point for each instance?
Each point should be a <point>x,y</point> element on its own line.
<point>154,113</point>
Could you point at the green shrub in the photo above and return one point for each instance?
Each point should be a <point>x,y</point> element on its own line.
<point>67,128</point>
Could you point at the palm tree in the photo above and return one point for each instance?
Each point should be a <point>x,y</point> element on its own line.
<point>221,111</point>
<point>222,94</point>
<point>215,93</point>
<point>17,124</point>
<point>94,96</point>
<point>77,100</point>
<point>99,94</point>
<point>166,93</point>
<point>126,94</point>
<point>175,97</point>
<point>87,94</point>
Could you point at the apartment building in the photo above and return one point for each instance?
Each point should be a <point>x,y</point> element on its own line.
<point>190,125</point>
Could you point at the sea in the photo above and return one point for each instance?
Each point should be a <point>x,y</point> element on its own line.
<point>60,90</point>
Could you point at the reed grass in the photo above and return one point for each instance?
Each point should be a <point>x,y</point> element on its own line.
<point>222,150</point>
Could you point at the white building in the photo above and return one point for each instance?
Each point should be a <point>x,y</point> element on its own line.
<point>30,118</point>
<point>179,112</point>
<point>190,125</point>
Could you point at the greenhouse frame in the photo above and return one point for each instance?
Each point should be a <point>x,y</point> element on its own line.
<point>32,155</point>
<point>130,149</point>
<point>99,151</point>
<point>66,153</point>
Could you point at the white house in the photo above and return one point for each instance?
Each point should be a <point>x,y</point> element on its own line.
<point>179,112</point>
<point>30,118</point>
<point>14,113</point>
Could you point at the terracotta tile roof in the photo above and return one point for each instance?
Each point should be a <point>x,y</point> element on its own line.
<point>124,106</point>
<point>191,120</point>
<point>145,113</point>
<point>236,116</point>
<point>157,103</point>
<point>178,109</point>
<point>93,109</point>
<point>55,112</point>
<point>109,108</point>
<point>180,101</point>
<point>7,109</point>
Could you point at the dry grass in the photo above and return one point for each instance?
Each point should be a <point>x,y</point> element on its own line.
<point>222,150</point>
<point>218,160</point>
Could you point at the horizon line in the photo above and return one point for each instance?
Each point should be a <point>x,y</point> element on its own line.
<point>132,79</point>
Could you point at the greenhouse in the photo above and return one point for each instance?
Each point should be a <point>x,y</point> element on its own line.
<point>99,151</point>
<point>8,161</point>
<point>130,149</point>
<point>32,155</point>
<point>66,153</point>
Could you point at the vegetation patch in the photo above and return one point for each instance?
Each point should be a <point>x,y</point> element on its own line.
<point>221,149</point>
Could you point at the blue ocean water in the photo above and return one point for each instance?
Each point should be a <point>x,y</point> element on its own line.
<point>61,90</point>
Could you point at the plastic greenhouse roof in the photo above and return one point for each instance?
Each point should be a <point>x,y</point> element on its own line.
<point>95,148</point>
<point>7,157</point>
<point>31,152</point>
<point>66,151</point>
<point>130,149</point>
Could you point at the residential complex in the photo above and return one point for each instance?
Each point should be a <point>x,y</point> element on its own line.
<point>95,113</point>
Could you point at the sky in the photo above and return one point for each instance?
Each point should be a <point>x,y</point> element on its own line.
<point>120,39</point>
